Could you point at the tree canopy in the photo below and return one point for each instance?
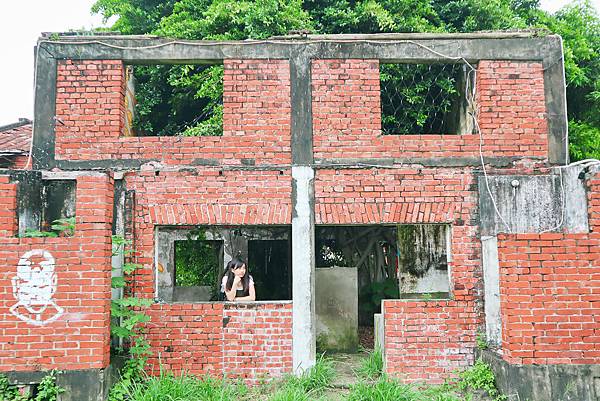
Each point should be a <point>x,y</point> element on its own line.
<point>170,94</point>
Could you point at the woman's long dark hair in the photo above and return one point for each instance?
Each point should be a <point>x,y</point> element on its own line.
<point>236,263</point>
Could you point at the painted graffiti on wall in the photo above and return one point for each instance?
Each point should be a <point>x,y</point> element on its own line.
<point>33,288</point>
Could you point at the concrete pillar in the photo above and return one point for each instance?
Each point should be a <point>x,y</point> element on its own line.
<point>491,280</point>
<point>303,268</point>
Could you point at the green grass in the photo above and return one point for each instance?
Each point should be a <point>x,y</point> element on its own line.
<point>184,388</point>
<point>371,368</point>
<point>372,385</point>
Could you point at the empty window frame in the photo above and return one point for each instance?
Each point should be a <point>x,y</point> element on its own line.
<point>191,261</point>
<point>425,99</point>
<point>46,208</point>
<point>168,100</point>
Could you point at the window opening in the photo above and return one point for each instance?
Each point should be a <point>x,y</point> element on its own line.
<point>424,99</point>
<point>270,262</point>
<point>168,100</point>
<point>191,262</point>
<point>46,208</point>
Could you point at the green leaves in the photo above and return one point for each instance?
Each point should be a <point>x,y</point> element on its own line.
<point>584,141</point>
<point>60,228</point>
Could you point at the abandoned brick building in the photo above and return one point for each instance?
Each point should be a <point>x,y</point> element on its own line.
<point>502,230</point>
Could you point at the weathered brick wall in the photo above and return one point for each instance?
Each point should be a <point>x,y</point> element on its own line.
<point>20,162</point>
<point>186,338</point>
<point>247,341</point>
<point>207,196</point>
<point>90,108</point>
<point>256,117</point>
<point>73,333</point>
<point>428,341</point>
<point>256,130</point>
<point>257,341</point>
<point>8,207</point>
<point>550,293</point>
<point>404,196</point>
<point>347,114</point>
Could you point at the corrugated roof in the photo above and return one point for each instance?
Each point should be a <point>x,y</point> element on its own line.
<point>15,139</point>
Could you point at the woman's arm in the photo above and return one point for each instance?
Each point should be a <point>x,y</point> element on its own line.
<point>251,296</point>
<point>230,295</point>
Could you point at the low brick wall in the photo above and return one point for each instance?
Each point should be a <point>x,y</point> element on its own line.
<point>250,341</point>
<point>428,341</point>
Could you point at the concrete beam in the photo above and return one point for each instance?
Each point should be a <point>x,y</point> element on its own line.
<point>535,203</point>
<point>44,110</point>
<point>301,119</point>
<point>153,50</point>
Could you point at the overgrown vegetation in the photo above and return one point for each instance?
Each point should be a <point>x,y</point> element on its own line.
<point>127,317</point>
<point>197,261</point>
<point>480,377</point>
<point>59,228</point>
<point>183,388</point>
<point>46,390</point>
<point>177,93</point>
<point>314,384</point>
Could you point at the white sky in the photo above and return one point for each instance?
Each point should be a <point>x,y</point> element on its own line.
<point>24,20</point>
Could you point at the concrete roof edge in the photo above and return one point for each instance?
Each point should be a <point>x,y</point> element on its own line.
<point>524,34</point>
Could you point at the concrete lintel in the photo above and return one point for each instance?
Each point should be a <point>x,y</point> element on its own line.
<point>499,161</point>
<point>303,269</point>
<point>70,175</point>
<point>112,164</point>
<point>414,35</point>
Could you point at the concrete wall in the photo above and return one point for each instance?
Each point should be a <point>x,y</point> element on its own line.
<point>561,382</point>
<point>529,204</point>
<point>336,300</point>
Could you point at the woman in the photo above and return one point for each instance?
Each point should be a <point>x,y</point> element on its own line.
<point>237,285</point>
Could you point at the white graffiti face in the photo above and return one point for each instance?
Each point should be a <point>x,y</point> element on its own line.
<point>34,286</point>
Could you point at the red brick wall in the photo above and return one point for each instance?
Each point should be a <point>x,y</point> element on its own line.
<point>248,341</point>
<point>8,207</point>
<point>79,338</point>
<point>256,116</point>
<point>410,195</point>
<point>428,341</point>
<point>90,107</point>
<point>404,195</point>
<point>203,197</point>
<point>550,298</point>
<point>550,293</point>
<point>186,338</point>
<point>347,114</point>
<point>257,341</point>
